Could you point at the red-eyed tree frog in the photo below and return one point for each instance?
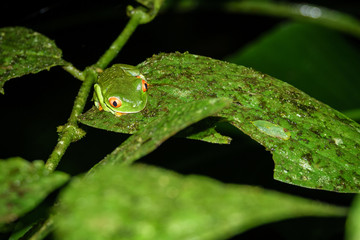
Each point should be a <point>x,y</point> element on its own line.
<point>120,89</point>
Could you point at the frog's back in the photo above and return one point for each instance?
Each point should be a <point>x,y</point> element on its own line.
<point>117,81</point>
<point>110,75</point>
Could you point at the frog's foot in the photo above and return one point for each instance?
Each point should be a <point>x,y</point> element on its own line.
<point>140,76</point>
<point>118,114</point>
<point>100,107</point>
<point>99,70</point>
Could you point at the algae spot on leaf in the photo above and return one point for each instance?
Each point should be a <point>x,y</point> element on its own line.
<point>272,130</point>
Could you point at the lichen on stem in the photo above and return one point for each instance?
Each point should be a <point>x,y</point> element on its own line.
<point>70,131</point>
<point>75,72</point>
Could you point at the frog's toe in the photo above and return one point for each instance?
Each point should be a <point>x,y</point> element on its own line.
<point>98,105</point>
<point>140,76</point>
<point>118,114</point>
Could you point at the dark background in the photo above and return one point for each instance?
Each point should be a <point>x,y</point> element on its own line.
<point>34,105</point>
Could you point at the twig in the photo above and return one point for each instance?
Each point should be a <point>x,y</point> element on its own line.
<point>71,132</point>
<point>44,229</point>
<point>138,16</point>
<point>74,71</point>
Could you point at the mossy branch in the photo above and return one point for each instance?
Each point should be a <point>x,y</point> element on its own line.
<point>43,229</point>
<point>75,72</point>
<point>70,132</point>
<point>137,16</point>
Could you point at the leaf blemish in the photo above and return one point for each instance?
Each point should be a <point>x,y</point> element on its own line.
<point>338,141</point>
<point>272,130</point>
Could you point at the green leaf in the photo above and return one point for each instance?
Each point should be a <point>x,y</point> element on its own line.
<point>23,185</point>
<point>143,202</point>
<point>353,221</point>
<point>23,51</point>
<point>323,148</point>
<point>205,130</point>
<point>131,123</point>
<point>304,56</point>
<point>156,132</point>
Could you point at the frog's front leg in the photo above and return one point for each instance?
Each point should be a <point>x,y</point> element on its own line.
<point>98,98</point>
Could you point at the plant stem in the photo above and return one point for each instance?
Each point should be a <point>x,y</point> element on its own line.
<point>75,72</point>
<point>117,45</point>
<point>70,131</point>
<point>44,229</point>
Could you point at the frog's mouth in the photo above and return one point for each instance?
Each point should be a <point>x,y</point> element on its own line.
<point>119,113</point>
<point>108,109</point>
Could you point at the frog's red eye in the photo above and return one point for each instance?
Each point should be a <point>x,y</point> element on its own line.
<point>144,85</point>
<point>115,102</point>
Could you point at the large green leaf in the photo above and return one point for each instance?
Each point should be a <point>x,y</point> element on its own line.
<point>142,202</point>
<point>322,149</point>
<point>23,51</point>
<point>23,185</point>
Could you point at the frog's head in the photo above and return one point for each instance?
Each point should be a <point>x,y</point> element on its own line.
<point>121,89</point>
